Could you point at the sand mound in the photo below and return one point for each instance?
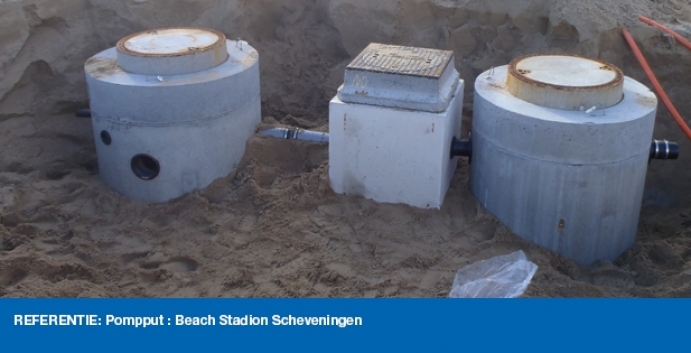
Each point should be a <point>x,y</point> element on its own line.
<point>274,228</point>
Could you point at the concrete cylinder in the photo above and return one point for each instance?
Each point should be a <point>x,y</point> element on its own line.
<point>170,114</point>
<point>570,180</point>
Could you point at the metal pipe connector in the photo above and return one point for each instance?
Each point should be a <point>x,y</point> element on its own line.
<point>462,148</point>
<point>296,134</point>
<point>664,150</point>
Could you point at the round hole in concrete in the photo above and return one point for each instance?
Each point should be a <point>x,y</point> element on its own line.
<point>105,137</point>
<point>145,167</point>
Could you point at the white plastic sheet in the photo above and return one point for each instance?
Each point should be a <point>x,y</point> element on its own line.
<point>506,276</point>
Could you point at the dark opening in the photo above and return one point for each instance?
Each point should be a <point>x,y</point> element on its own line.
<point>145,167</point>
<point>105,137</point>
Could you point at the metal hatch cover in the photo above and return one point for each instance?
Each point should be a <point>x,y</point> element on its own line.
<point>401,77</point>
<point>401,60</point>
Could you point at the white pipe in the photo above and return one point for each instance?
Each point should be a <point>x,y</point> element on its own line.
<point>296,134</point>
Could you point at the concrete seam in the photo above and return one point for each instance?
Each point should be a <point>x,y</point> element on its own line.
<point>148,123</point>
<point>553,162</point>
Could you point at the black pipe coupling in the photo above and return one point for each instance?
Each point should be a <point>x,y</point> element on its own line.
<point>83,113</point>
<point>664,150</point>
<point>462,148</point>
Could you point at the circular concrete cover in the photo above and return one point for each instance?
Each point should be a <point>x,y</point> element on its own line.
<point>565,82</point>
<point>171,41</point>
<point>172,51</point>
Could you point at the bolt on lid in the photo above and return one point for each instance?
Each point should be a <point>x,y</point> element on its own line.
<point>172,51</point>
<point>565,82</point>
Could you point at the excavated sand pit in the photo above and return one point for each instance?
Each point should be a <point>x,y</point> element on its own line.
<point>274,228</point>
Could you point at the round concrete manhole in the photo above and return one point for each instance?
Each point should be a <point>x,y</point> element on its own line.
<point>171,42</point>
<point>565,82</point>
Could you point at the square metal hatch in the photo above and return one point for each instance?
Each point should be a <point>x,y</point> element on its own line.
<point>401,77</point>
<point>398,60</point>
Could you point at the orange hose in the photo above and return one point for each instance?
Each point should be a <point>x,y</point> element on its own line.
<point>656,84</point>
<point>674,34</point>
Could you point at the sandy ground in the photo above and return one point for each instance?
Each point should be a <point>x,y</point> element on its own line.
<point>274,228</point>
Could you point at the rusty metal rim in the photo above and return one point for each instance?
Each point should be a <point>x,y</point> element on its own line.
<point>121,43</point>
<point>618,79</point>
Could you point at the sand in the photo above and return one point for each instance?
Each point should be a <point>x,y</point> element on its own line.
<point>274,228</point>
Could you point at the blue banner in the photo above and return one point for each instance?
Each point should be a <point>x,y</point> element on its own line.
<point>344,325</point>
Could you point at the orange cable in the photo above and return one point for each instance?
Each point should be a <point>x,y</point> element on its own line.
<point>674,34</point>
<point>660,91</point>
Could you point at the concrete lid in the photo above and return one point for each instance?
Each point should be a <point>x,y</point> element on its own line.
<point>401,77</point>
<point>565,82</point>
<point>172,51</point>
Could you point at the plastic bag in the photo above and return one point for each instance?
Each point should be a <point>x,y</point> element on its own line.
<point>506,276</point>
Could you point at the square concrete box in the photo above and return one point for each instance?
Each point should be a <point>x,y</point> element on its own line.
<point>392,124</point>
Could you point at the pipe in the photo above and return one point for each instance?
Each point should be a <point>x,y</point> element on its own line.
<point>462,148</point>
<point>664,150</point>
<point>296,134</point>
<point>83,113</point>
<point>674,34</point>
<point>656,84</point>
